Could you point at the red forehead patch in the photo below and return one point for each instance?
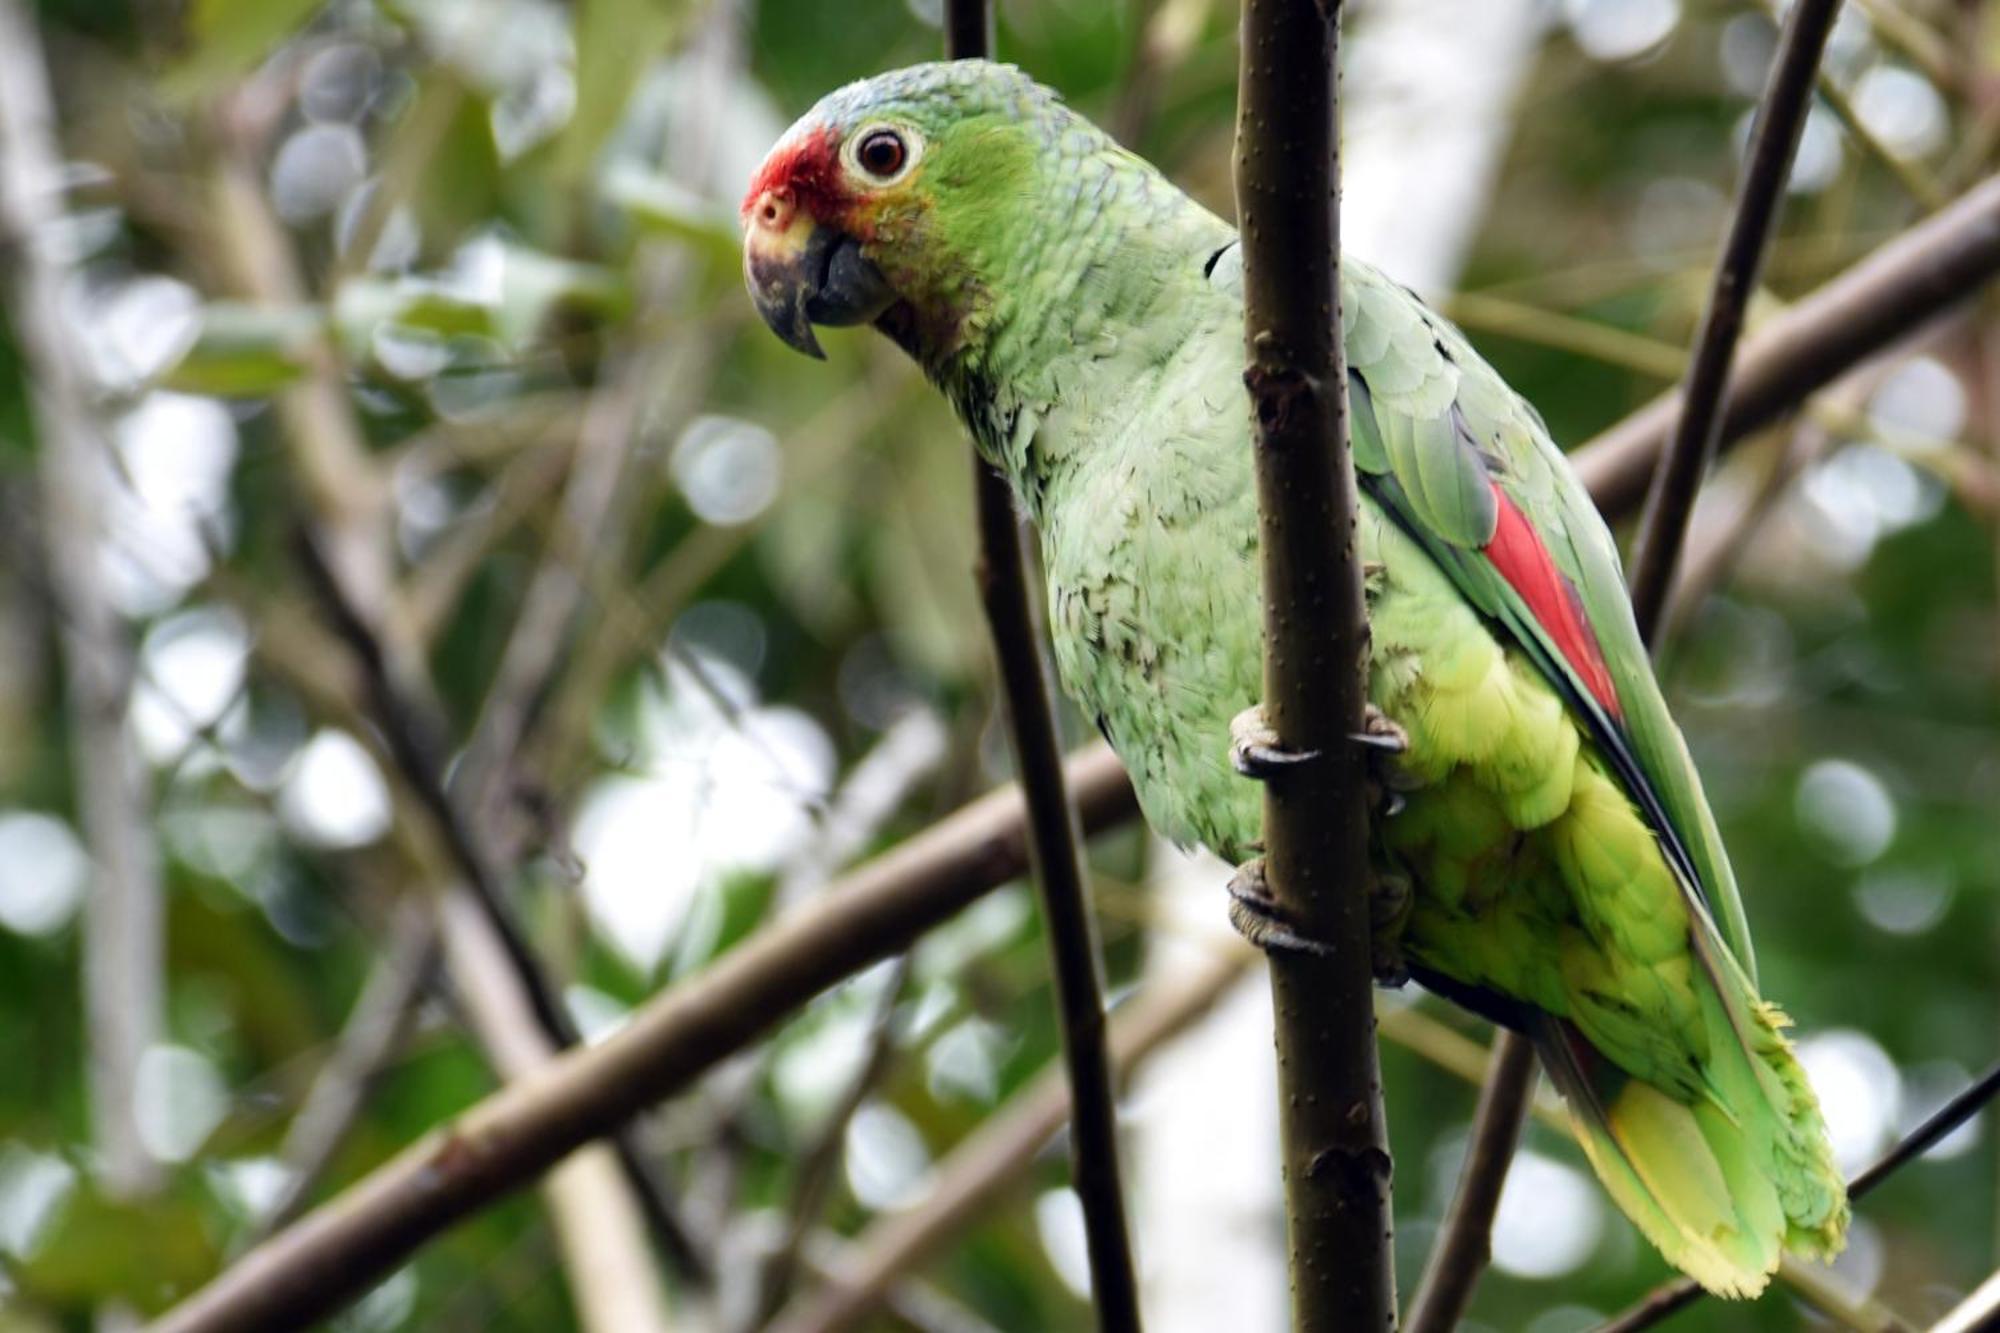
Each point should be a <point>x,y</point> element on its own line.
<point>804,167</point>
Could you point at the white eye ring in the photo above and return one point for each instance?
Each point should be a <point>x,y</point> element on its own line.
<point>882,153</point>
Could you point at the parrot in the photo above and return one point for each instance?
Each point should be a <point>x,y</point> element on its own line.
<point>1562,872</point>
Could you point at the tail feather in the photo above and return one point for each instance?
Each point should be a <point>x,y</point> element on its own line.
<point>1721,1185</point>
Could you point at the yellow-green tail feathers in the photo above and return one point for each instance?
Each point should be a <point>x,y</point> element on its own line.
<point>1722,1185</point>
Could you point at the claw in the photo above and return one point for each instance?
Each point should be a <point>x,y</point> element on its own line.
<point>1388,909</point>
<point>1259,919</point>
<point>1256,752</point>
<point>1379,733</point>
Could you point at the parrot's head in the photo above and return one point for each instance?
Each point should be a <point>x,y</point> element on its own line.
<point>899,201</point>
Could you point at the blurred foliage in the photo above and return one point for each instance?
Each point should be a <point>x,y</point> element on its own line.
<point>507,215</point>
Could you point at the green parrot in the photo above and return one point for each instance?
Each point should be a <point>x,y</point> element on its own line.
<point>1565,877</point>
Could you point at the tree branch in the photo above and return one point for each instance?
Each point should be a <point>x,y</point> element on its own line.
<point>1059,875</point>
<point>595,1213</point>
<point>123,950</point>
<point>1334,1140</point>
<point>1780,118</point>
<point>340,1249</point>
<point>1465,1242</point>
<point>994,1157</point>
<point>374,1030</point>
<point>1894,291</point>
<point>413,731</point>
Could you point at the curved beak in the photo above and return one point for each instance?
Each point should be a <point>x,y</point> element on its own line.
<point>801,273</point>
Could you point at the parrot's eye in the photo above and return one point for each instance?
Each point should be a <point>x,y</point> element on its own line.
<point>881,153</point>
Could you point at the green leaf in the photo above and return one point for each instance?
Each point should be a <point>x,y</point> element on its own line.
<point>510,300</point>
<point>231,36</point>
<point>148,1253</point>
<point>665,207</point>
<point>247,351</point>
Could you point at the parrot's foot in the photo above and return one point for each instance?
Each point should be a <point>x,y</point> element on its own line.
<point>1255,752</point>
<point>1259,918</point>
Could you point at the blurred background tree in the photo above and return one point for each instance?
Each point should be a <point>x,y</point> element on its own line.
<point>403,510</point>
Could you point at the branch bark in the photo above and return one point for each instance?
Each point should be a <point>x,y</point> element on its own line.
<point>1334,1139</point>
<point>1060,876</point>
<point>1894,291</point>
<point>123,963</point>
<point>1781,117</point>
<point>340,1249</point>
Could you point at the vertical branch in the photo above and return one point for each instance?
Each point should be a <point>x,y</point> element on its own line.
<point>1335,1144</point>
<point>122,949</point>
<point>1055,846</point>
<point>1465,1242</point>
<point>1780,118</point>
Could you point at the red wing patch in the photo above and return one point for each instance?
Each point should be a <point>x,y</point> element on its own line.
<point>1518,553</point>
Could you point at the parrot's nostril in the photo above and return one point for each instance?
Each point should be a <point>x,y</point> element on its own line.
<point>773,210</point>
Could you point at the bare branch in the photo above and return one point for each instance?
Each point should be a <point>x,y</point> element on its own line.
<point>1464,1244</point>
<point>123,986</point>
<point>1897,289</point>
<point>375,1029</point>
<point>1335,1143</point>
<point>822,1156</point>
<point>412,728</point>
<point>1780,118</point>
<point>1060,876</point>
<point>340,1249</point>
<point>993,1158</point>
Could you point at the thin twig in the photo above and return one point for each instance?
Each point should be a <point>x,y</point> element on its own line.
<point>1909,281</point>
<point>374,1031</point>
<point>1781,117</point>
<point>920,1304</point>
<point>1672,1297</point>
<point>1465,1241</point>
<point>1334,1139</point>
<point>412,730</point>
<point>1060,877</point>
<point>995,1157</point>
<point>123,945</point>
<point>821,1158</point>
<point>340,1249</point>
